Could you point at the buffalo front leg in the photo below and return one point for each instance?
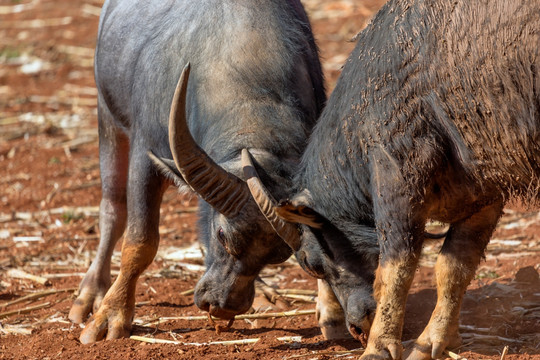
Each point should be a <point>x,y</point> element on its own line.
<point>456,265</point>
<point>330,314</point>
<point>400,224</point>
<point>392,282</point>
<point>113,149</point>
<point>114,317</point>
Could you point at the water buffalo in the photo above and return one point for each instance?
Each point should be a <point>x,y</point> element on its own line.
<point>256,82</point>
<point>436,115</point>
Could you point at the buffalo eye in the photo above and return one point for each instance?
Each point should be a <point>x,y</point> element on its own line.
<point>223,240</point>
<point>313,268</point>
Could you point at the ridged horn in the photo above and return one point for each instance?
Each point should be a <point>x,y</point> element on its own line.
<point>222,190</point>
<point>266,203</point>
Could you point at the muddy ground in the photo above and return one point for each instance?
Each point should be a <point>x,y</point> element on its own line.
<point>49,193</point>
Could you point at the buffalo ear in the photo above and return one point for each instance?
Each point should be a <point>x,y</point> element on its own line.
<point>300,214</point>
<point>169,169</point>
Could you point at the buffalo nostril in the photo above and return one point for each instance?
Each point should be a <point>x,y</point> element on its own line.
<point>201,302</point>
<point>204,306</point>
<point>358,334</point>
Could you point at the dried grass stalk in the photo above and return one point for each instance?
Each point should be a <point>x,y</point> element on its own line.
<point>326,353</point>
<point>91,10</point>
<point>164,341</point>
<point>454,355</point>
<point>37,295</point>
<point>489,338</point>
<point>17,330</point>
<point>297,292</point>
<point>36,23</point>
<point>13,9</point>
<point>504,352</point>
<point>275,314</point>
<point>24,310</point>
<point>268,315</point>
<point>19,274</point>
<point>303,298</point>
<point>87,211</point>
<point>188,292</point>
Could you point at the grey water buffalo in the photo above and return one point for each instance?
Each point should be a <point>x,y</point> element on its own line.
<point>436,115</point>
<point>255,82</point>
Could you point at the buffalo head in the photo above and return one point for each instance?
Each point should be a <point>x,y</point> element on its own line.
<point>239,240</point>
<point>346,261</point>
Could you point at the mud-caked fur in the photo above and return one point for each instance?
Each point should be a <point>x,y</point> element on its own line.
<point>436,115</point>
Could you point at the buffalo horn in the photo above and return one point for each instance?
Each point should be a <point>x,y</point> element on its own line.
<point>266,203</point>
<point>223,191</point>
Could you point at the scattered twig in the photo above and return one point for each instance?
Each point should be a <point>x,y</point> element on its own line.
<point>76,50</point>
<point>37,295</point>
<point>271,294</point>
<point>303,298</point>
<point>268,315</point>
<point>83,186</point>
<point>297,292</point>
<point>328,353</point>
<point>164,341</point>
<point>13,9</point>
<point>191,267</point>
<point>530,310</point>
<point>18,330</point>
<point>504,352</point>
<point>453,355</point>
<point>474,329</point>
<point>290,339</point>
<point>88,211</point>
<point>16,177</point>
<point>188,292</point>
<point>91,10</point>
<point>25,310</point>
<point>187,209</point>
<point>19,274</point>
<point>493,338</point>
<point>65,275</point>
<point>36,23</point>
<point>27,238</point>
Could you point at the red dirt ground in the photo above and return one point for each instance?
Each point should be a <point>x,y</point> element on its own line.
<point>49,193</point>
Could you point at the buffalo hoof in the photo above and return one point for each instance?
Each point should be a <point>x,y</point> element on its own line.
<point>91,293</point>
<point>389,350</point>
<point>418,353</point>
<point>431,347</point>
<point>106,323</point>
<point>86,302</point>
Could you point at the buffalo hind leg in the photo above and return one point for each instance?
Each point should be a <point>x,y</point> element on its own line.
<point>145,190</point>
<point>330,314</point>
<point>113,155</point>
<point>456,265</point>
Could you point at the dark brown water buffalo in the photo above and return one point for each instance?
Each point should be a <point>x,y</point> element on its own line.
<point>436,115</point>
<point>256,82</point>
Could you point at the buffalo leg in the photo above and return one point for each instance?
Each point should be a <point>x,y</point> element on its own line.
<point>456,265</point>
<point>113,154</point>
<point>400,232</point>
<point>330,313</point>
<point>145,191</point>
<point>393,279</point>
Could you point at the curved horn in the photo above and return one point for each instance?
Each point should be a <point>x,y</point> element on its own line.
<point>266,203</point>
<point>223,191</point>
